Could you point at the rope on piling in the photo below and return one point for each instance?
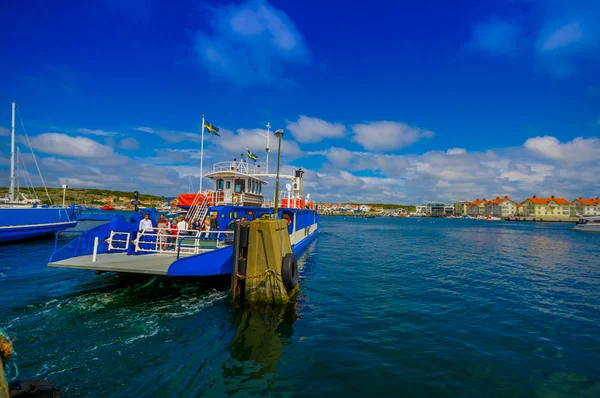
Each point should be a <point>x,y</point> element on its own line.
<point>7,356</point>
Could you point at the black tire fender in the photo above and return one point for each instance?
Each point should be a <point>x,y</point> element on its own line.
<point>289,271</point>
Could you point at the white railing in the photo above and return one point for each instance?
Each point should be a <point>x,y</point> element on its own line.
<point>116,238</point>
<point>240,167</point>
<point>186,242</point>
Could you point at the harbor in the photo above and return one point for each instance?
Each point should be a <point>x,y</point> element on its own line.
<point>262,198</point>
<point>483,299</point>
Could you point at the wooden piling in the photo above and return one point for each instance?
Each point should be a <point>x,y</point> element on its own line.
<point>260,273</point>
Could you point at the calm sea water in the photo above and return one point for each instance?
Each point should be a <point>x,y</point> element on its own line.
<point>390,307</point>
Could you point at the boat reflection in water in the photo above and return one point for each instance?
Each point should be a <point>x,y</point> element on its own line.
<point>256,347</point>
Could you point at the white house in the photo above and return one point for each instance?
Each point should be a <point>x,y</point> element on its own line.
<point>365,208</point>
<point>585,207</point>
<point>423,210</point>
<point>501,207</point>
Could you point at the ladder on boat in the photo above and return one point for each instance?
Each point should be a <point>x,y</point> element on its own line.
<point>198,211</point>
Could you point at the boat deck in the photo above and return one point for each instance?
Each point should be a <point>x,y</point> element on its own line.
<point>152,264</point>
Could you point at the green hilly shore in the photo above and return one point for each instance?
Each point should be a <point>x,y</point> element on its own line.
<point>84,195</point>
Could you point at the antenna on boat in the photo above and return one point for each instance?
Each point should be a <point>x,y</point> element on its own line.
<point>267,149</point>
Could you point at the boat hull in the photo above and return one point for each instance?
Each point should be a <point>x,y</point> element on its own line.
<point>219,262</point>
<point>79,253</point>
<point>27,223</point>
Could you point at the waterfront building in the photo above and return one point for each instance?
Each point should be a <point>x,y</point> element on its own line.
<point>448,210</point>
<point>585,207</point>
<point>423,210</point>
<point>460,208</point>
<point>364,208</point>
<point>477,207</point>
<point>542,207</point>
<point>500,207</point>
<point>437,209</point>
<point>520,209</point>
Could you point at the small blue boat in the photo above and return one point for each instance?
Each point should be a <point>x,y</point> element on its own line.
<point>26,219</point>
<point>21,223</point>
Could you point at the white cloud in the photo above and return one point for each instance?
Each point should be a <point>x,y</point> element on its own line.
<point>65,145</point>
<point>564,36</point>
<point>129,143</point>
<point>311,129</point>
<point>569,36</point>
<point>4,132</point>
<point>456,174</point>
<point>578,150</point>
<point>172,136</point>
<point>250,43</point>
<point>236,143</point>
<point>98,132</point>
<point>456,151</point>
<point>387,136</point>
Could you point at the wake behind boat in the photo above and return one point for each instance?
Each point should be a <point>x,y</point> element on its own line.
<point>24,218</point>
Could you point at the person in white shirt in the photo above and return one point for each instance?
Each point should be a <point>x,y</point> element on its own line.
<point>146,224</point>
<point>182,225</point>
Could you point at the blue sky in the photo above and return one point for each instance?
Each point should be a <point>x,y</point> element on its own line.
<point>393,102</point>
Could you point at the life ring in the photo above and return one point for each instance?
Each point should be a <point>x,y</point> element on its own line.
<point>289,271</point>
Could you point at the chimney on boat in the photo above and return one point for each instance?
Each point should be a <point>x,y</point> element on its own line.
<point>298,182</point>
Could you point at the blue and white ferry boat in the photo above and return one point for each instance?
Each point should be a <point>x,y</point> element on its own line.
<point>238,186</point>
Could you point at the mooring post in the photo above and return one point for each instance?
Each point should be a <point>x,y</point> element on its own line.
<point>265,268</point>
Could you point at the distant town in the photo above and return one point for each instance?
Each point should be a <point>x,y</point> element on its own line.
<point>551,209</point>
<point>539,208</point>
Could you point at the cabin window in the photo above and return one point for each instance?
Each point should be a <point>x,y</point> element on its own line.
<point>219,184</point>
<point>253,186</point>
<point>228,185</point>
<point>239,186</point>
<point>259,188</point>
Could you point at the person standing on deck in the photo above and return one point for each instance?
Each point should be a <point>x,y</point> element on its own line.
<point>214,226</point>
<point>163,230</point>
<point>146,224</point>
<point>207,226</point>
<point>145,227</point>
<point>182,225</point>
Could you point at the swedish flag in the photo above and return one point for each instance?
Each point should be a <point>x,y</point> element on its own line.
<point>211,129</point>
<point>251,155</point>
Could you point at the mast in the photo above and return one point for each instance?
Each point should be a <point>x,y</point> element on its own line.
<point>17,173</point>
<point>12,155</point>
<point>267,149</point>
<point>201,154</point>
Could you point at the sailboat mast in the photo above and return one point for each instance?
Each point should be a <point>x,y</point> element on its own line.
<point>12,155</point>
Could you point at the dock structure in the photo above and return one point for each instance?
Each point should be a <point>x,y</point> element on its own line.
<point>151,264</point>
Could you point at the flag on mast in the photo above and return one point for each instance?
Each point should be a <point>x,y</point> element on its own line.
<point>251,155</point>
<point>211,129</point>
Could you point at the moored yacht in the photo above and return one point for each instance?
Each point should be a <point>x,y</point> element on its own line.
<point>23,218</point>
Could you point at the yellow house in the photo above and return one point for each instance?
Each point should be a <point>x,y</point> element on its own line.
<point>546,207</point>
<point>460,208</point>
